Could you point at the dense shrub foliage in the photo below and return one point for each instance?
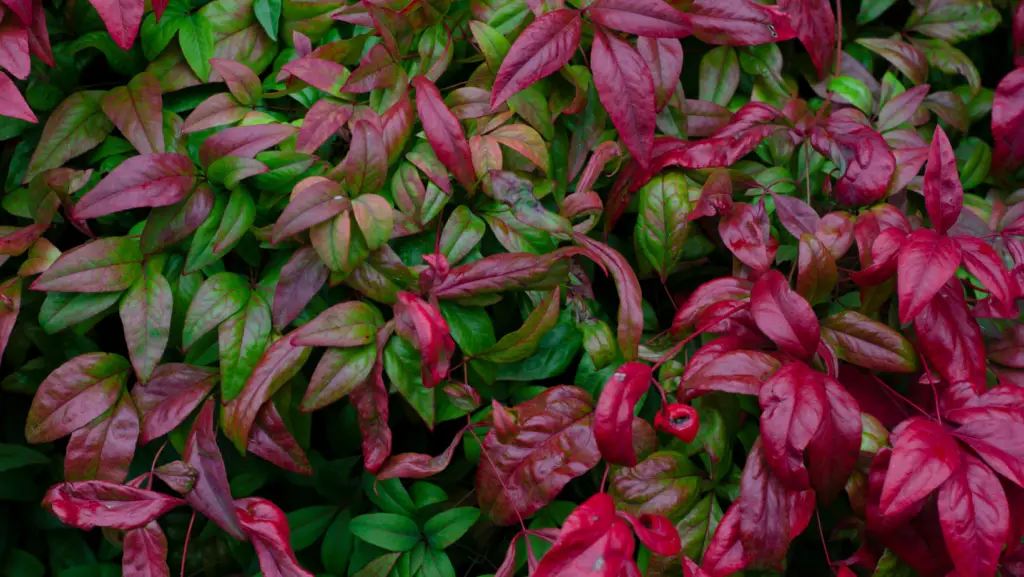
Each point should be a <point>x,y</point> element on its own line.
<point>431,288</point>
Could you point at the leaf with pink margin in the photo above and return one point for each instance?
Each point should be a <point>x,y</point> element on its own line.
<point>244,141</point>
<point>104,449</point>
<point>172,393</point>
<point>324,119</point>
<point>371,402</point>
<point>421,323</point>
<point>271,440</point>
<point>217,110</point>
<point>211,494</point>
<point>301,278</point>
<point>243,83</point>
<point>137,111</point>
<point>365,167</point>
<point>784,316</point>
<point>313,200</point>
<point>88,504</point>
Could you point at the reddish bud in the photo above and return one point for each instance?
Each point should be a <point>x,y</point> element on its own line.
<point>679,420</point>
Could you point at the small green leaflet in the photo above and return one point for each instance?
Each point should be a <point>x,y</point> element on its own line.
<point>196,39</point>
<point>268,13</point>
<point>387,531</point>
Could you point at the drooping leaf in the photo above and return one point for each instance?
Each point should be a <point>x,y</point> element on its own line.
<point>210,495</point>
<point>271,440</point>
<point>267,528</point>
<point>88,504</point>
<point>613,417</point>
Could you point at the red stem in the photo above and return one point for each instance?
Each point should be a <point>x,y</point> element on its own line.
<point>184,550</point>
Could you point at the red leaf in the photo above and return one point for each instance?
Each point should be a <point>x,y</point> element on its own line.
<point>88,504</point>
<point>1018,36</point>
<point>267,528</point>
<point>211,494</point>
<point>104,449</point>
<point>718,347</point>
<point>926,261</point>
<point>998,441</point>
<point>172,393</point>
<point>301,278</point>
<point>626,89</point>
<point>371,402</point>
<point>145,552</point>
<point>122,18</point>
<point>1008,123</point>
<point>883,258</point>
<point>397,121</point>
<point>834,450</point>
<point>982,261</point>
<point>14,51</point>
<point>923,457</point>
<point>691,569</point>
<point>784,316</point>
<point>739,22</point>
<point>513,271</point>
<point>546,45</point>
<point>707,294</point>
<point>741,372</point>
<point>137,111</point>
<point>74,394</point>
<point>796,215</point>
<point>613,418</point>
<point>975,518</point>
<point>794,406</point>
<point>422,324</point>
<point>725,554</point>
<point>867,164</point>
<point>553,444</point>
<point>816,26</point>
<point>650,18</point>
<point>271,440</point>
<point>901,108</point>
<point>23,9</point>
<point>12,103</point>
<point>158,179</point>
<point>664,58</point>
<point>323,120</point>
<point>835,231</point>
<point>417,465</point>
<point>243,141</point>
<point>444,132</point>
<point>319,73</point>
<point>377,69</point>
<point>656,532</point>
<point>743,234</point>
<point>943,194</point>
<point>770,515</point>
<point>594,542</point>
<point>631,318</point>
<point>365,167</point>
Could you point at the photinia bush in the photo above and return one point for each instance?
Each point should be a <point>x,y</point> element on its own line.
<point>427,288</point>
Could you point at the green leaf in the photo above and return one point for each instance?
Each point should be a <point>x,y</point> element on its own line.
<point>402,365</point>
<point>76,126</point>
<point>308,524</point>
<point>426,494</point>
<point>389,495</point>
<point>871,9</point>
<point>379,567</point>
<point>447,527</point>
<point>155,36</point>
<point>19,563</point>
<point>196,38</point>
<point>387,531</point>
<point>719,75</point>
<point>555,353</point>
<point>491,42</point>
<point>200,250</point>
<point>146,317</point>
<point>337,545</point>
<point>220,297</point>
<point>471,327</point>
<point>241,340</point>
<point>661,225</point>
<point>889,565</point>
<point>268,13</point>
<point>437,564</point>
<point>523,343</point>
<point>18,456</point>
<point>63,310</point>
<point>853,90</point>
<point>103,265</point>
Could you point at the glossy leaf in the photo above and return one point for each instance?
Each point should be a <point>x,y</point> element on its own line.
<point>784,315</point>
<point>172,393</point>
<point>88,504</point>
<point>74,394</point>
<point>444,132</point>
<point>546,45</point>
<point>626,89</point>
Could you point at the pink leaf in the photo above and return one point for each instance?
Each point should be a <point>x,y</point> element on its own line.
<point>739,372</point>
<point>145,552</point>
<point>613,418</point>
<point>211,494</point>
<point>650,18</point>
<point>630,318</point>
<point>122,18</point>
<point>784,316</point>
<point>982,261</point>
<point>418,466</point>
<point>243,83</point>
<point>796,215</point>
<point>14,49</point>
<point>301,278</point>
<point>546,45</point>
<point>217,110</point>
<point>151,180</point>
<point>377,69</point>
<point>323,120</point>
<point>88,504</point>
<point>1008,123</point>
<point>794,406</point>
<point>104,448</point>
<point>743,234</point>
<point>421,323</point>
<point>707,294</point>
<point>739,22</point>
<point>626,89</point>
<point>444,132</point>
<point>371,402</point>
<point>244,141</point>
<point>74,394</point>
<point>926,261</point>
<point>869,163</point>
<point>975,518</point>
<point>923,457</point>
<point>267,528</point>
<point>12,103</point>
